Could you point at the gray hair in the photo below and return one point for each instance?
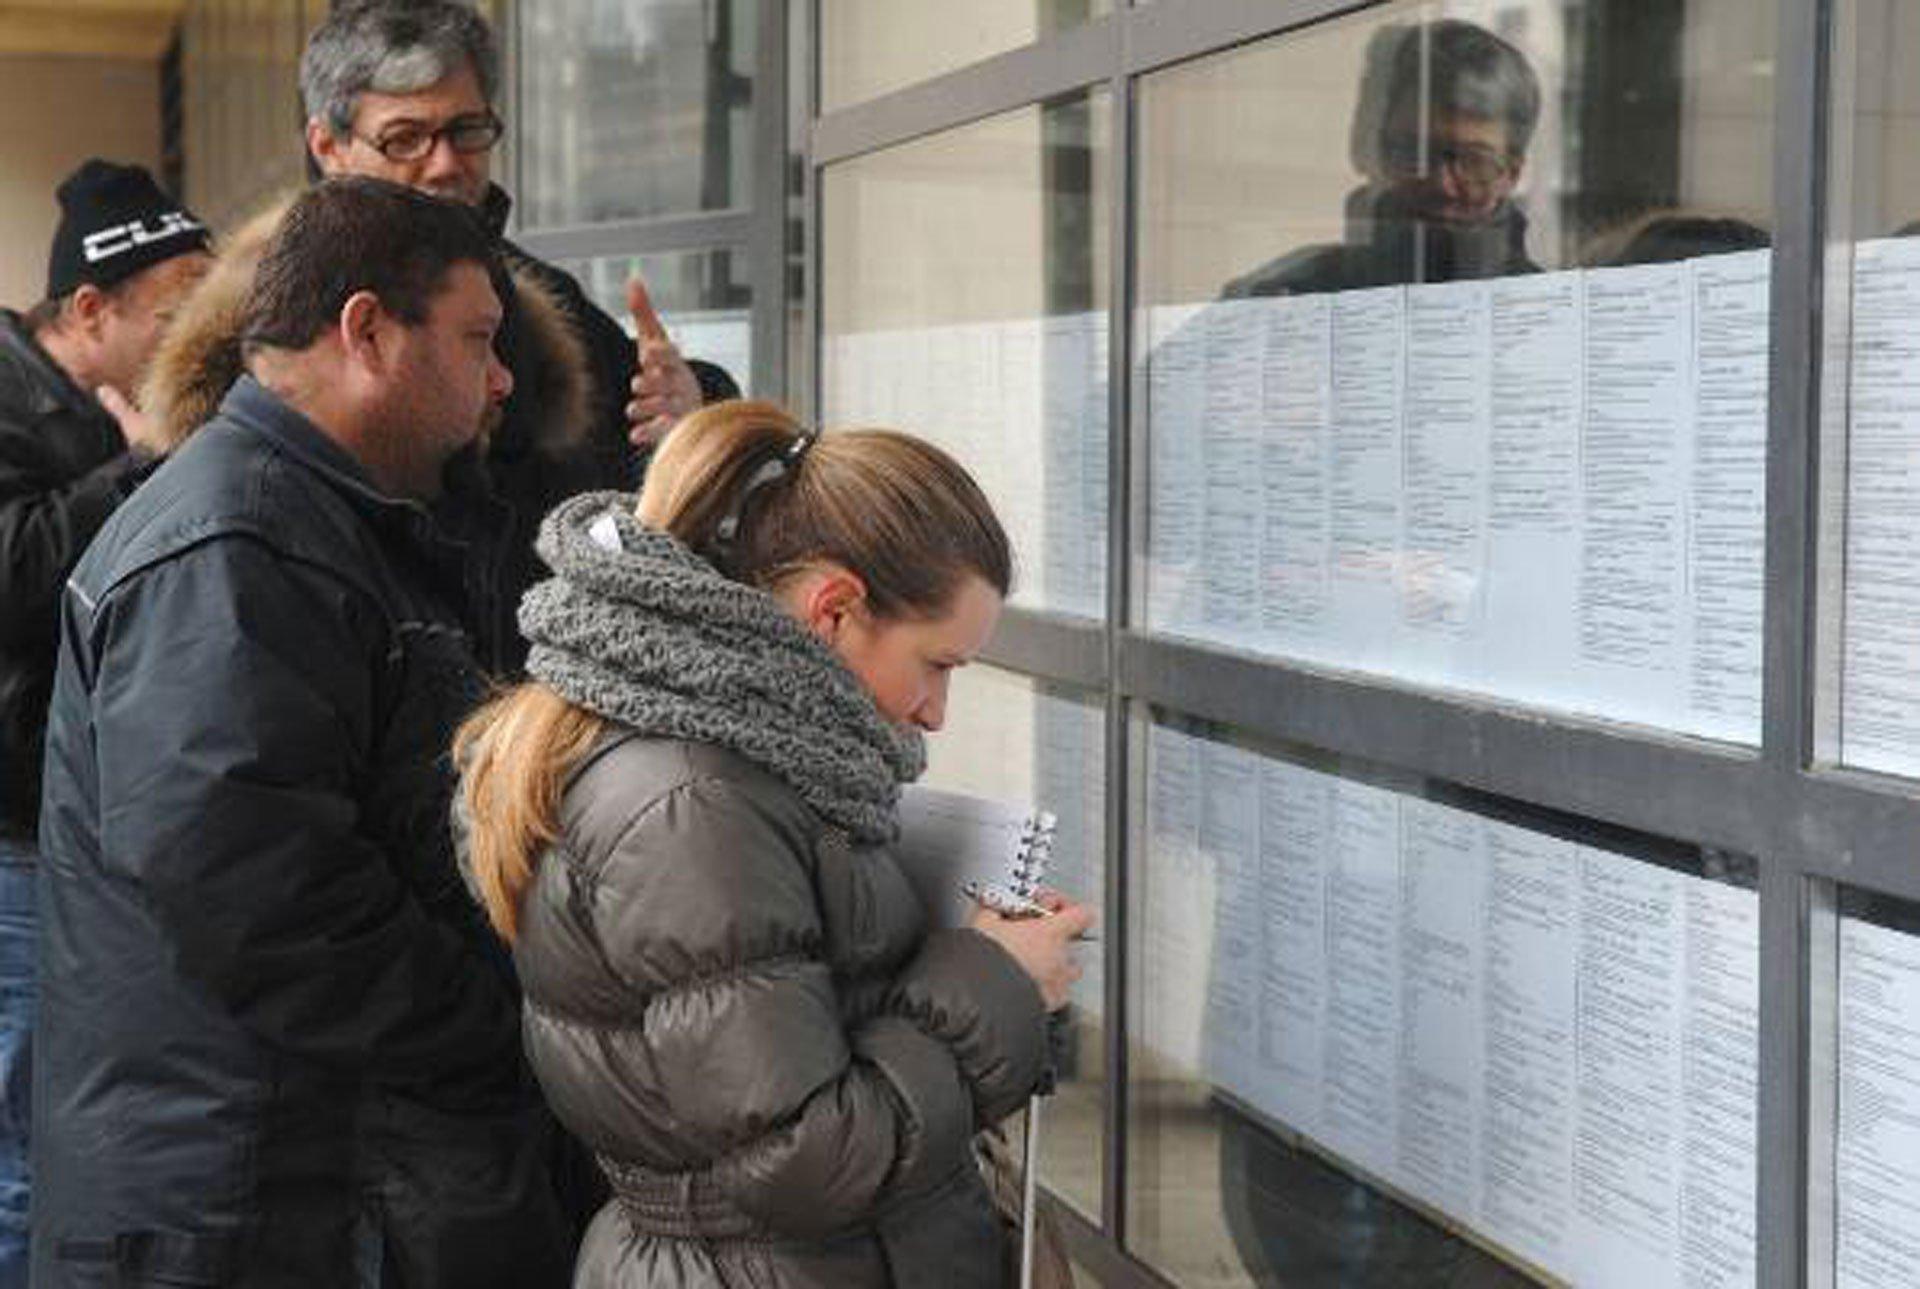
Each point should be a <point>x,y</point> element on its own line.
<point>391,47</point>
<point>1457,67</point>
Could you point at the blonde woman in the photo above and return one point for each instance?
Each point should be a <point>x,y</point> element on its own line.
<point>681,823</point>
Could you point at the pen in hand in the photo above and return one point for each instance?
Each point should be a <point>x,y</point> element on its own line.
<point>1007,904</point>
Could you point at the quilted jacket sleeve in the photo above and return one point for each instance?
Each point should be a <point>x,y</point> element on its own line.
<point>741,1062</point>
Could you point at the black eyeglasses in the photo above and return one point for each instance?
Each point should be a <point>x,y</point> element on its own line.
<point>1475,163</point>
<point>465,134</point>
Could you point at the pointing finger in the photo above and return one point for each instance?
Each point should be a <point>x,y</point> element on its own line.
<point>646,323</point>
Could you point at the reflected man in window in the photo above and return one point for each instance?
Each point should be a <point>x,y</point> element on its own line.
<point>1440,133</point>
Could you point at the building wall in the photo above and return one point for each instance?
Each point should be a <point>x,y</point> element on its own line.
<point>63,111</point>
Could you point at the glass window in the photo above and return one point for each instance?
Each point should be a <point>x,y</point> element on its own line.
<point>1875,378</point>
<point>1019,740</point>
<point>1395,1034</point>
<point>964,297</point>
<point>701,296</point>
<point>871,47</point>
<point>1455,325</point>
<point>630,110</point>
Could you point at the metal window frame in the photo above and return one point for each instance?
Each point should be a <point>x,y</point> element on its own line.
<point>1813,827</point>
<point>757,230</point>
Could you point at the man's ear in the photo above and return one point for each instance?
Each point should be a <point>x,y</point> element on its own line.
<point>365,330</point>
<point>89,305</point>
<point>325,147</point>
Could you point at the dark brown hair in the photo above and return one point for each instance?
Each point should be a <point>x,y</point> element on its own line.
<point>348,235</point>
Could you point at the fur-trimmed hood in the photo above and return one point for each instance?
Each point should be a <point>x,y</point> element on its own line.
<point>198,358</point>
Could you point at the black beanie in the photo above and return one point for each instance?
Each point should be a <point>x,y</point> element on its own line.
<point>115,221</point>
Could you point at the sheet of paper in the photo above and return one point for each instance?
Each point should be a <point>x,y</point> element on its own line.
<point>1360,1114</point>
<point>1726,541</point>
<point>1178,909</point>
<point>1633,441</point>
<point>1880,667</point>
<point>1443,914</point>
<point>1719,1081</point>
<point>1877,1155</point>
<point>1295,829</point>
<point>1447,433</point>
<point>1526,1146</point>
<point>1176,408</point>
<point>1230,845</point>
<point>1231,429</point>
<point>1296,537</point>
<point>1626,1160</point>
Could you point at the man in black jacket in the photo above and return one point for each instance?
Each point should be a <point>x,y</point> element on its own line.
<point>277,1046</point>
<point>404,90</point>
<point>123,255</point>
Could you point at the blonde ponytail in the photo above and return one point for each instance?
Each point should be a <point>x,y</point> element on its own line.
<point>514,755</point>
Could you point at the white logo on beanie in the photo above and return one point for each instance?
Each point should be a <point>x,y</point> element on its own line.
<point>121,238</point>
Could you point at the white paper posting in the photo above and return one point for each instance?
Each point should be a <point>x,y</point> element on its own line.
<point>1626,1160</point>
<point>1635,469</point>
<point>1880,676</point>
<point>1442,942</point>
<point>1069,742</point>
<point>1177,914</point>
<point>1726,542</point>
<point>1231,519</point>
<point>1720,1046</point>
<point>1533,490</point>
<point>1877,1156</point>
<point>1295,828</point>
<point>1230,842</point>
<point>1176,404</point>
<point>1526,1151</point>
<point>1448,425</point>
<point>1296,503</point>
<point>1360,1114</point>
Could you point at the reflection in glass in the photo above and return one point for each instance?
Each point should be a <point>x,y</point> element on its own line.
<point>1023,741</point>
<point>1426,1045</point>
<point>634,110</point>
<point>1475,398</point>
<point>701,296</point>
<point>964,297</point>
<point>871,47</point>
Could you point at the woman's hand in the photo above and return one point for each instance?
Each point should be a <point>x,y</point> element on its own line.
<point>1043,946</point>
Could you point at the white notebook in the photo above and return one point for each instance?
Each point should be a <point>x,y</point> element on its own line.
<point>951,843</point>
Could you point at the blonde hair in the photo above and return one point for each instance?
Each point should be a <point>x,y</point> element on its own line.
<point>894,510</point>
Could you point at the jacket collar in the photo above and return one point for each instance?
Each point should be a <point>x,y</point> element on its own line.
<point>50,389</point>
<point>495,209</point>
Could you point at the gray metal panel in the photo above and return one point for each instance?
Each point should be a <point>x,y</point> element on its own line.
<point>714,231</point>
<point>1123,527</point>
<point>1781,1116</point>
<point>1075,59</point>
<point>1694,790</point>
<point>767,245</point>
<point>1170,31</point>
<point>1818,1024</point>
<point>1050,645</point>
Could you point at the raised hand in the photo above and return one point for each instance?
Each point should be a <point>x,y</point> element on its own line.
<point>665,390</point>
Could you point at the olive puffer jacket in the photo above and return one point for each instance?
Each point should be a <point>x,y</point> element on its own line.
<point>745,1018</point>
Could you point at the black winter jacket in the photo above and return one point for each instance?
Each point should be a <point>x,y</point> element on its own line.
<point>276,1043</point>
<point>746,1019</point>
<point>63,468</point>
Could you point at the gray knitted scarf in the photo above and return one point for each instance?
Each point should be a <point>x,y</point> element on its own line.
<point>654,637</point>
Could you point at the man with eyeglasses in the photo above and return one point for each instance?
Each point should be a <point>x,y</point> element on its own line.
<point>1440,134</point>
<point>404,90</point>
